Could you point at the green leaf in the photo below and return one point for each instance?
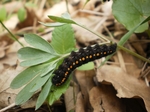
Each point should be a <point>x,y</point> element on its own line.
<point>52,24</point>
<point>40,81</point>
<point>29,73</point>
<point>126,37</point>
<point>29,89</point>
<point>88,66</point>
<point>63,39</point>
<point>24,95</point>
<point>44,93</point>
<point>66,16</point>
<point>131,12</point>
<point>3,14</point>
<point>56,92</point>
<point>39,43</point>
<point>21,14</point>
<point>33,56</point>
<point>62,20</point>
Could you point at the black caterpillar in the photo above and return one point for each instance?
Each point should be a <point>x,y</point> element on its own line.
<point>76,59</point>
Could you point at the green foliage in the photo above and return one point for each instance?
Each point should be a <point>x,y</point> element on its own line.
<point>21,14</point>
<point>87,66</point>
<point>58,91</point>
<point>132,12</point>
<point>44,93</point>
<point>124,40</point>
<point>42,59</point>
<point>62,20</point>
<point>3,14</point>
<point>33,56</point>
<point>62,39</point>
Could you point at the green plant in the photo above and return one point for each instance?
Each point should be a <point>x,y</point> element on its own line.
<point>132,12</point>
<point>41,60</point>
<point>40,70</point>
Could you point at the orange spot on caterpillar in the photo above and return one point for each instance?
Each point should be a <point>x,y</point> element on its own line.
<point>77,62</point>
<point>90,56</point>
<point>83,59</point>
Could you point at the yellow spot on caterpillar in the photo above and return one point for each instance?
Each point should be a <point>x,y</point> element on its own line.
<point>87,57</point>
<point>70,66</point>
<point>90,56</point>
<point>63,80</point>
<point>97,54</point>
<point>66,74</point>
<point>58,84</point>
<point>94,54</point>
<point>104,52</point>
<point>73,64</point>
<point>111,51</point>
<point>77,62</point>
<point>80,59</point>
<point>83,58</point>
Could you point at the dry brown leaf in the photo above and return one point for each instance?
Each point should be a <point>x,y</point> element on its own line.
<point>54,10</point>
<point>13,6</point>
<point>135,42</point>
<point>30,20</point>
<point>103,99</point>
<point>7,95</point>
<point>85,37</point>
<point>69,99</point>
<point>85,79</point>
<point>127,86</point>
<point>3,48</point>
<point>80,106</point>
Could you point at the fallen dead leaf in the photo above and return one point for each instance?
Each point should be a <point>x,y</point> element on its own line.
<point>103,99</point>
<point>127,86</point>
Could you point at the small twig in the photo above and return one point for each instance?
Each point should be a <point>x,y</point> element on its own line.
<point>8,107</point>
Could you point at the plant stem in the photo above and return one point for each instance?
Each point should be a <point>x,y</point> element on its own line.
<point>67,5</point>
<point>13,36</point>
<point>134,54</point>
<point>100,36</point>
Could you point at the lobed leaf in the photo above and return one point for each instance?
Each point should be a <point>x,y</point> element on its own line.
<point>29,73</point>
<point>40,81</point>
<point>24,95</point>
<point>39,43</point>
<point>44,93</point>
<point>33,56</point>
